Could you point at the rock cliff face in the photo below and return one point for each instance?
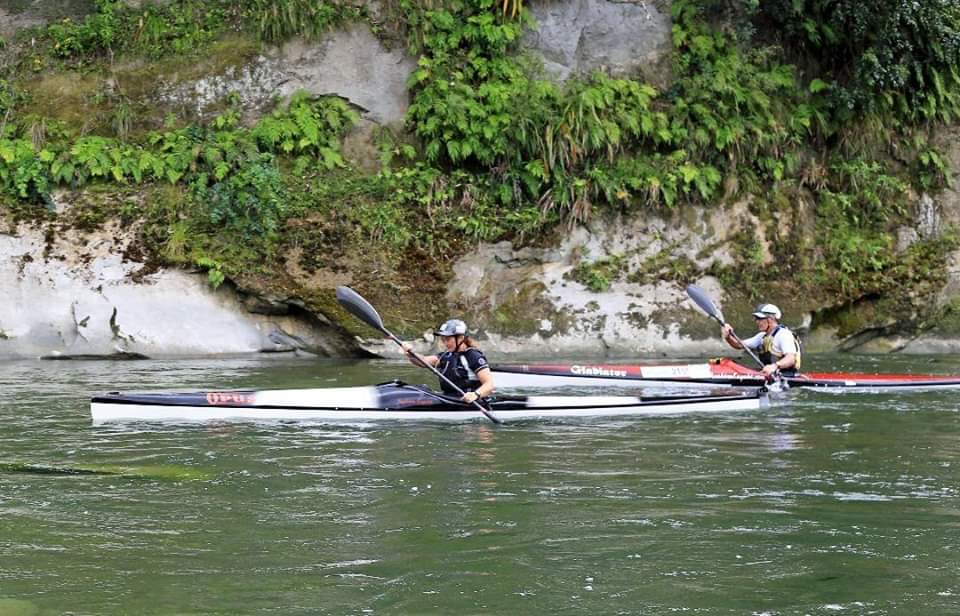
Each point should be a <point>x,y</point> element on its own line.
<point>69,293</point>
<point>577,37</point>
<point>79,294</point>
<point>533,292</point>
<point>18,14</point>
<point>351,64</point>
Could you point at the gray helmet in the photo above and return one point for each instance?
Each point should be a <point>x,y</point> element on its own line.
<point>453,327</point>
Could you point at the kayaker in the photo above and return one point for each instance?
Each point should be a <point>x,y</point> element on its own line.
<point>776,346</point>
<point>462,362</point>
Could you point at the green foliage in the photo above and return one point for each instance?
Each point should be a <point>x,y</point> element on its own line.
<point>393,149</point>
<point>9,99</point>
<point>466,87</point>
<point>23,171</point>
<point>599,275</point>
<point>856,214</point>
<point>230,174</point>
<point>664,265</point>
<point>215,275</point>
<point>881,56</point>
<point>930,168</point>
<point>602,140</point>
<point>598,140</point>
<point>248,202</point>
<point>181,27</point>
<point>184,27</point>
<point>741,106</point>
<point>97,33</point>
<point>415,208</point>
<point>279,20</point>
<point>503,153</point>
<point>875,197</point>
<point>308,127</point>
<point>597,118</point>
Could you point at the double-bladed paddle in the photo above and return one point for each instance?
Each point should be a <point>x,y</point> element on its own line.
<point>700,298</point>
<point>361,308</point>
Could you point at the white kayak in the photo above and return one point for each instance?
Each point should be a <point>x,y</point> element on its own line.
<point>395,402</point>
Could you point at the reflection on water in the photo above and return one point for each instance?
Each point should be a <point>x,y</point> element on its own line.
<point>822,504</point>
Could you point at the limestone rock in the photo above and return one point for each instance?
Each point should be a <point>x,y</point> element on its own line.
<point>29,13</point>
<point>352,64</point>
<point>80,297</point>
<point>525,302</point>
<point>625,38</point>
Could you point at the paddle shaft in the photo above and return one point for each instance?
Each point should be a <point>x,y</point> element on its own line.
<point>423,362</point>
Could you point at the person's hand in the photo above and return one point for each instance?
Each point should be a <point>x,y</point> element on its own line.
<point>470,397</point>
<point>726,330</point>
<point>770,369</point>
<point>405,348</point>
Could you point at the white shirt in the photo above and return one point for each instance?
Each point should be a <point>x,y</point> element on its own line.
<point>783,342</point>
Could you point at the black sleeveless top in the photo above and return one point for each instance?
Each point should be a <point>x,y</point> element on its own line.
<point>461,367</point>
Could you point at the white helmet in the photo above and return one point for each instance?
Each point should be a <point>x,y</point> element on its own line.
<point>767,310</point>
<point>453,327</point>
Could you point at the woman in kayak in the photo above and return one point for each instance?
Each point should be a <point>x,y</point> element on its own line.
<point>462,362</point>
<point>777,347</point>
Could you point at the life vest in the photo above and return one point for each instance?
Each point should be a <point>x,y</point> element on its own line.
<point>457,367</point>
<point>768,356</point>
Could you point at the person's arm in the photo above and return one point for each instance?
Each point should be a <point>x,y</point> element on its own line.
<point>486,386</point>
<point>431,360</point>
<point>729,337</point>
<point>753,343</point>
<point>478,363</point>
<point>789,360</point>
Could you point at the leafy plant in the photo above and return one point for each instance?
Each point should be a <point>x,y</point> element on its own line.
<point>599,275</point>
<point>745,107</point>
<point>215,275</point>
<point>278,20</point>
<point>855,214</point>
<point>887,55</point>
<point>307,127</point>
<point>9,99</point>
<point>97,33</point>
<point>466,86</point>
<point>248,202</point>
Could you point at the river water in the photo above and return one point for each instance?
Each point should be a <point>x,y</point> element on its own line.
<point>822,504</point>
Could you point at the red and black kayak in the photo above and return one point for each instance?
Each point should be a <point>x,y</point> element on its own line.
<point>723,371</point>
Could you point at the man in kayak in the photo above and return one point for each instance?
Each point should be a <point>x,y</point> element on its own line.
<point>776,346</point>
<point>462,362</point>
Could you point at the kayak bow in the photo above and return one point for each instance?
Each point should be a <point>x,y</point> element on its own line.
<point>393,401</point>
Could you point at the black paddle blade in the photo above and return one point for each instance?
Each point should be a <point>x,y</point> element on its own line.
<point>700,297</point>
<point>359,307</point>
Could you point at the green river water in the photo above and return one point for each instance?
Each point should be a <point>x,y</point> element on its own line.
<point>822,504</point>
